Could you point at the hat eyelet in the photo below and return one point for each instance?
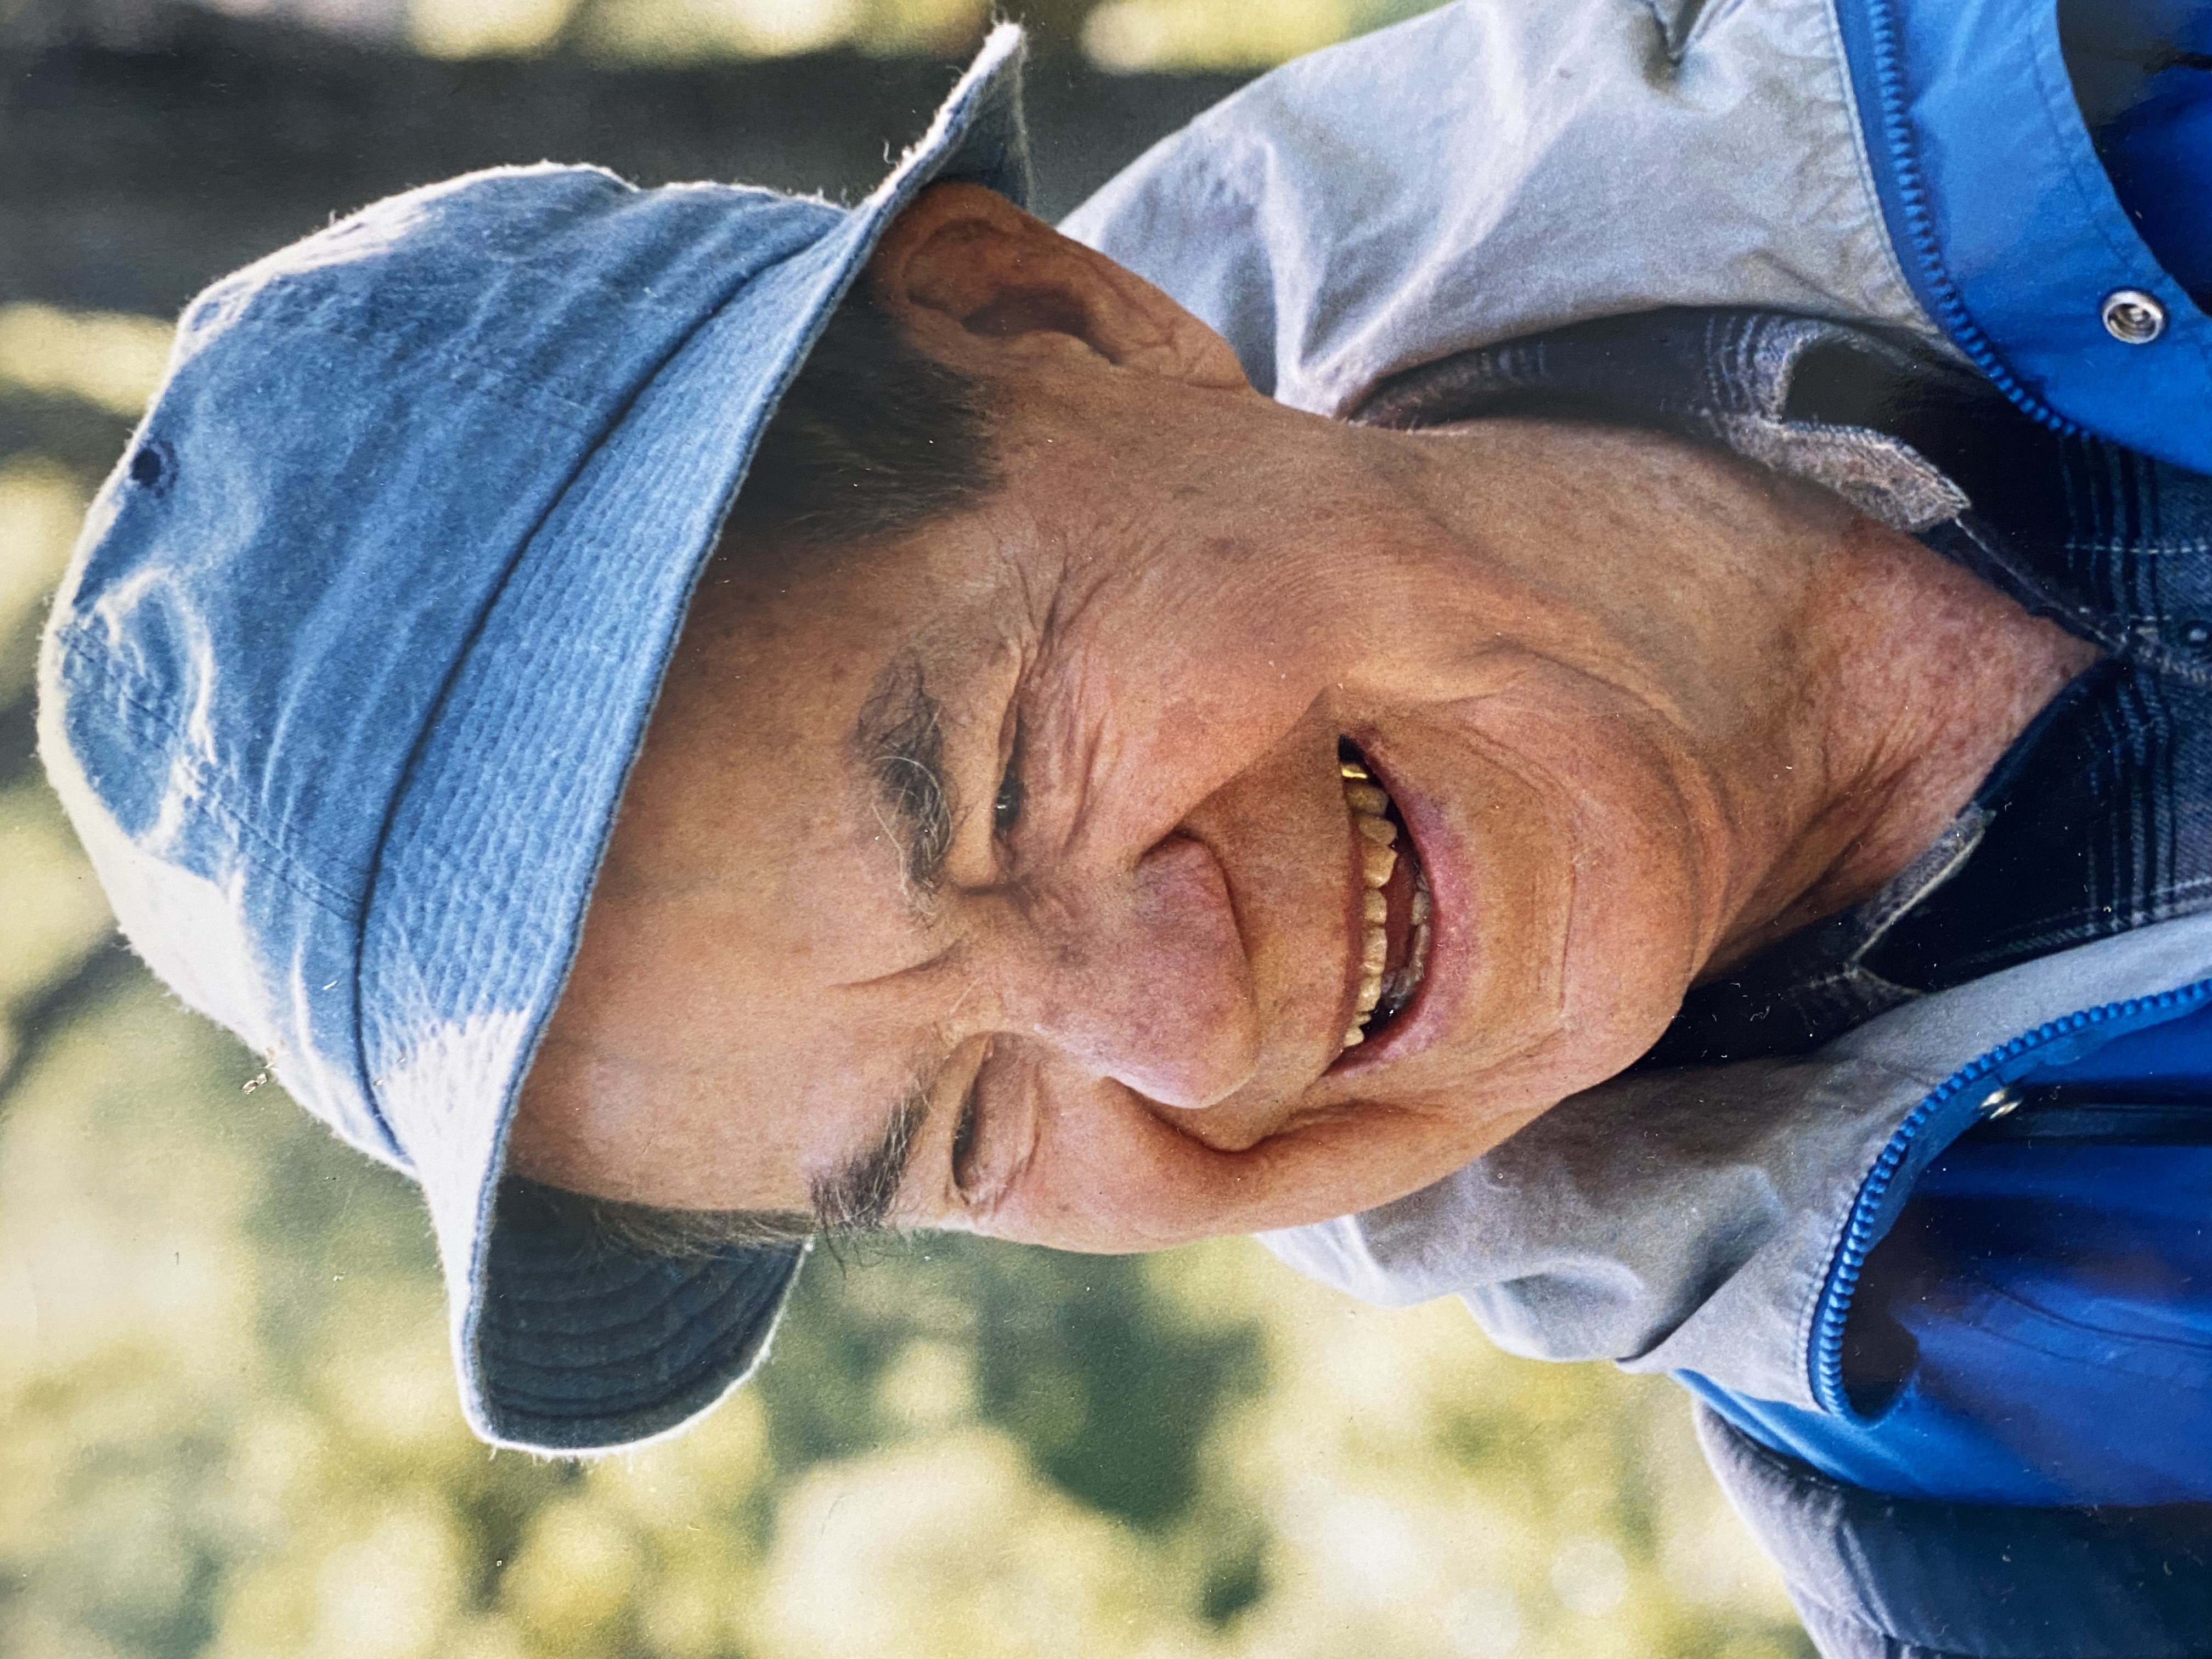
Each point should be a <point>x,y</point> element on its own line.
<point>152,467</point>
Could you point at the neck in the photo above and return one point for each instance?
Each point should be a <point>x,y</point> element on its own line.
<point>1925,675</point>
<point>1830,694</point>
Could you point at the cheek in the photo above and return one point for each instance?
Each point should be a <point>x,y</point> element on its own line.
<point>1235,637</point>
<point>1181,712</point>
<point>1106,1177</point>
<point>1110,1177</point>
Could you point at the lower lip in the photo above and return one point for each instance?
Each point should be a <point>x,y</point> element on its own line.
<point>1418,1023</point>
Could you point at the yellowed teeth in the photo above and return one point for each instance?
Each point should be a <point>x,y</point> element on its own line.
<point>1379,861</point>
<point>1378,839</point>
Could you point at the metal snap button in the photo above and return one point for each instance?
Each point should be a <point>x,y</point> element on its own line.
<point>2133,317</point>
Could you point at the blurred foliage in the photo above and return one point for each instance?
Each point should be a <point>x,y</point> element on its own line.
<point>231,1427</point>
<point>1117,34</point>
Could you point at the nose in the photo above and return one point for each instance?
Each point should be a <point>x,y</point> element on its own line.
<point>1142,978</point>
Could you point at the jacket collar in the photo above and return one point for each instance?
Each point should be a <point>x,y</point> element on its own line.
<point>1692,1219</point>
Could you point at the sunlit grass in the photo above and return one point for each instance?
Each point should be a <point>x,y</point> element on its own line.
<point>113,359</point>
<point>41,506</point>
<point>231,1409</point>
<point>485,28</point>
<point>1130,35</point>
<point>1122,35</point>
<point>690,31</point>
<point>55,910</point>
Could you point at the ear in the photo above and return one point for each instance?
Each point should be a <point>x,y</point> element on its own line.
<point>973,277</point>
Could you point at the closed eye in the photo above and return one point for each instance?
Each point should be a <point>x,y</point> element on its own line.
<point>1007,804</point>
<point>963,1136</point>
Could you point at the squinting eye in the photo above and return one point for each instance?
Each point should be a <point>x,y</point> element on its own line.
<point>1007,809</point>
<point>964,1140</point>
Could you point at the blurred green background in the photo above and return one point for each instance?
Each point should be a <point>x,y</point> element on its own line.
<point>229,1425</point>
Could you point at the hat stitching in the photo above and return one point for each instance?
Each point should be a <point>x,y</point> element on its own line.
<point>154,724</point>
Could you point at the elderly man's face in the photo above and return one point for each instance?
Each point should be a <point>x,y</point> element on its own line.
<point>1005,875</point>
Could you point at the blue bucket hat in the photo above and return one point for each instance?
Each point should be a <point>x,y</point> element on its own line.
<point>343,685</point>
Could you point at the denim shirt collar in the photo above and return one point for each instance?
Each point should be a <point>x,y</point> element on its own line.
<point>1736,378</point>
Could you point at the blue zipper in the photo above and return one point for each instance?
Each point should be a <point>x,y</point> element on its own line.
<point>1936,285</point>
<point>1824,1355</point>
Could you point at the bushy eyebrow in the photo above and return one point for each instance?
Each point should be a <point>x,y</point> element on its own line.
<point>899,740</point>
<point>857,1196</point>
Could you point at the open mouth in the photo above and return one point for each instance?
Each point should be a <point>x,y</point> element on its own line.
<point>1395,901</point>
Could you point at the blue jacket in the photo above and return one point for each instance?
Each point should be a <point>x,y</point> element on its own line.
<point>1379,228</point>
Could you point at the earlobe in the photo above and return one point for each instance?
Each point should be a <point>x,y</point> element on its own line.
<point>971,275</point>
